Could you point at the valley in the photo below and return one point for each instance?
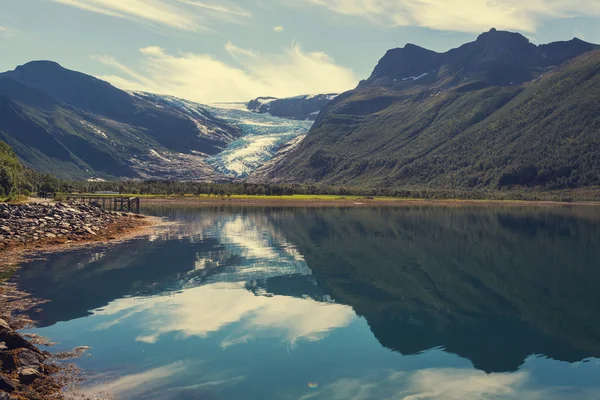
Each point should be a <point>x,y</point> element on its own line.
<point>96,131</point>
<point>261,201</point>
<point>496,114</point>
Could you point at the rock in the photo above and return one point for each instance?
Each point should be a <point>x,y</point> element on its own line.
<point>28,375</point>
<point>7,384</point>
<point>6,396</point>
<point>3,346</point>
<point>30,359</point>
<point>8,361</point>
<point>4,324</point>
<point>13,340</point>
<point>89,230</point>
<point>31,222</point>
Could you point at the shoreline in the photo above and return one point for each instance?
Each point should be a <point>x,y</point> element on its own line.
<point>25,369</point>
<point>336,201</point>
<point>133,226</point>
<point>51,377</point>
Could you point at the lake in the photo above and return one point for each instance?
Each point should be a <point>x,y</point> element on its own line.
<point>410,302</point>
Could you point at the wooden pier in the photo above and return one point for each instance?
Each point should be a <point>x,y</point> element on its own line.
<point>123,204</point>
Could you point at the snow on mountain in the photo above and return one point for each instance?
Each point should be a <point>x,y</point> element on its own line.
<point>262,136</point>
<point>197,113</point>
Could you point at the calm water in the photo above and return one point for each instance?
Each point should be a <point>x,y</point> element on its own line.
<point>275,303</point>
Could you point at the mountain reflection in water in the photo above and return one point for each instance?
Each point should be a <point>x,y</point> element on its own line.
<point>202,310</point>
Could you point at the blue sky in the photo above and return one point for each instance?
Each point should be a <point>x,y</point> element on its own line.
<point>234,50</point>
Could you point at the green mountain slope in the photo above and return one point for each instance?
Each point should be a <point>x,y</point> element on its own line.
<point>494,113</point>
<point>76,126</point>
<point>11,171</point>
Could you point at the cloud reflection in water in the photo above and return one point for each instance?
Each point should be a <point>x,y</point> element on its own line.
<point>202,310</point>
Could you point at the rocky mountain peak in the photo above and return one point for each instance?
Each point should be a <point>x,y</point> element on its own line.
<point>496,57</point>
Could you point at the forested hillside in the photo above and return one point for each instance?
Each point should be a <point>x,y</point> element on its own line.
<point>76,126</point>
<point>494,113</point>
<point>11,171</point>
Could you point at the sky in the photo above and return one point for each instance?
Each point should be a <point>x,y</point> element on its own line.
<point>235,50</point>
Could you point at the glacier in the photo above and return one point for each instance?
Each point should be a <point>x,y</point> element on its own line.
<point>262,136</point>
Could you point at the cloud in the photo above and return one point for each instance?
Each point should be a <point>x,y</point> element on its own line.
<point>207,309</point>
<point>7,31</point>
<point>172,381</point>
<point>188,15</point>
<point>445,384</point>
<point>463,15</point>
<point>132,383</point>
<point>249,74</point>
<point>278,29</point>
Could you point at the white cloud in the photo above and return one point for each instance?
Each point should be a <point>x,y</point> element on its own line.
<point>463,15</point>
<point>206,309</point>
<point>186,15</point>
<point>447,384</point>
<point>278,29</point>
<point>204,78</point>
<point>235,51</point>
<point>132,383</point>
<point>7,31</point>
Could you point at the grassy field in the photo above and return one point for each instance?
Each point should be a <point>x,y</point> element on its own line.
<point>318,199</point>
<point>240,196</point>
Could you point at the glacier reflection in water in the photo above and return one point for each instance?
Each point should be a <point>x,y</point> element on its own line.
<point>276,303</point>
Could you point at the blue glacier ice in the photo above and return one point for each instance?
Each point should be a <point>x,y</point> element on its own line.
<point>263,135</point>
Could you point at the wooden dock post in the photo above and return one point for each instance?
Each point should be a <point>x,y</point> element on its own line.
<point>129,204</point>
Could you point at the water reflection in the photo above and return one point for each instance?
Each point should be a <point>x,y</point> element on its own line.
<point>206,248</point>
<point>206,309</point>
<point>257,303</point>
<point>491,291</point>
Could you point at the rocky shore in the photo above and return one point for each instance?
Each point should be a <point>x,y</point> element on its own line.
<point>26,227</point>
<point>24,373</point>
<point>27,223</point>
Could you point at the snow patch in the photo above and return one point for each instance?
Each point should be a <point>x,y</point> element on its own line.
<point>262,102</point>
<point>157,155</point>
<point>94,129</point>
<point>416,78</point>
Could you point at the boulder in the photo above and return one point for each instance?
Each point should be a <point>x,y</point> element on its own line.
<point>28,375</point>
<point>30,359</point>
<point>7,384</point>
<point>6,396</point>
<point>13,340</point>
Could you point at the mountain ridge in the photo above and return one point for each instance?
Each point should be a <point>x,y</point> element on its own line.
<point>76,126</point>
<point>303,107</point>
<point>464,125</point>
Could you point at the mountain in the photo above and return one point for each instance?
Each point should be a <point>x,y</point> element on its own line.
<point>76,126</point>
<point>495,113</point>
<point>299,107</point>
